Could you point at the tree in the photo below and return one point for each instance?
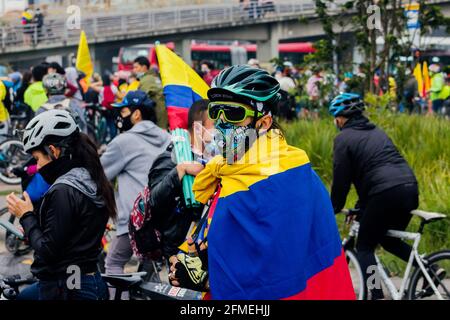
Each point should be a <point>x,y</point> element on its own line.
<point>379,27</point>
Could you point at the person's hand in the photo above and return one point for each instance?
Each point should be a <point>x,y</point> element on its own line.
<point>190,270</point>
<point>192,168</point>
<point>17,206</point>
<point>173,260</point>
<point>349,219</point>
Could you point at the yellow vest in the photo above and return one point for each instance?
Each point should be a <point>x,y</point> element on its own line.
<point>4,115</point>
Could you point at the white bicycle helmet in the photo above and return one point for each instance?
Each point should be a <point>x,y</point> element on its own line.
<point>50,123</point>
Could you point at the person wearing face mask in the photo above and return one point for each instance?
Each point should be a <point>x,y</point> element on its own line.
<point>387,187</point>
<point>271,233</point>
<point>150,83</point>
<point>128,157</point>
<point>67,229</point>
<point>165,182</point>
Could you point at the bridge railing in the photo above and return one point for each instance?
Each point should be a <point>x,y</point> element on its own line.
<point>107,27</point>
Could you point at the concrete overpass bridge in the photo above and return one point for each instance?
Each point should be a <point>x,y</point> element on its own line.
<point>106,33</point>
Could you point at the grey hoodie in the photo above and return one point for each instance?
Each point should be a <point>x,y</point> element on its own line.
<point>129,157</point>
<point>80,179</point>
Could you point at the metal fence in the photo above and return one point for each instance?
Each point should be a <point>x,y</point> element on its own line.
<point>109,26</point>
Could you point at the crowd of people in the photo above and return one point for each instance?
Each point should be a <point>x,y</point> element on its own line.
<point>33,25</point>
<point>307,90</point>
<point>244,204</point>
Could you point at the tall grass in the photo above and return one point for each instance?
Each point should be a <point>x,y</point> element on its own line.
<point>423,141</point>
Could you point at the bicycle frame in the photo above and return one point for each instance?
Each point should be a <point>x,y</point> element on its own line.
<point>12,228</point>
<point>398,295</point>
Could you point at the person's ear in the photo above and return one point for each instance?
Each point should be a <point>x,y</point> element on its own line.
<point>264,123</point>
<point>136,116</point>
<point>55,151</point>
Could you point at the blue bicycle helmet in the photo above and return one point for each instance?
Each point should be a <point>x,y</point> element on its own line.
<point>346,104</point>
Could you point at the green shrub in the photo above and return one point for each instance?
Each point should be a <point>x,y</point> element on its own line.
<point>424,142</point>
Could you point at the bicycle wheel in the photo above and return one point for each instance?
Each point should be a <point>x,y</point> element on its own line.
<point>419,287</point>
<point>13,244</point>
<point>12,155</point>
<point>356,275</point>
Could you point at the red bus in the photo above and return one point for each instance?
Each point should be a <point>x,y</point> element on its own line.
<point>128,54</point>
<point>219,54</point>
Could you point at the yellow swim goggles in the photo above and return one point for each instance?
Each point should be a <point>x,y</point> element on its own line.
<point>233,112</point>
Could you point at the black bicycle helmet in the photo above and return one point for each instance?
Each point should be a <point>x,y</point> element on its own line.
<point>242,83</point>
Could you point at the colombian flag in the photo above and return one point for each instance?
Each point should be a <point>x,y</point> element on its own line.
<point>182,86</point>
<point>273,234</point>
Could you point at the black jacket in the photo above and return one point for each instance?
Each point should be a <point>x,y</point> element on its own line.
<point>68,227</point>
<point>365,156</point>
<point>168,209</point>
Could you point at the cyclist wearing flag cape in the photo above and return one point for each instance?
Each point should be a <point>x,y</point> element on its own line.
<point>273,233</point>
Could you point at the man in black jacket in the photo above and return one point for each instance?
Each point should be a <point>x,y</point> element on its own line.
<point>386,186</point>
<point>168,208</point>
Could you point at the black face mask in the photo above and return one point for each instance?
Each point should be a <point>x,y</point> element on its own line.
<point>124,124</point>
<point>56,168</point>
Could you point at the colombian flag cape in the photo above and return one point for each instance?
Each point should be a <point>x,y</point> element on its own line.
<point>273,234</point>
<point>182,86</point>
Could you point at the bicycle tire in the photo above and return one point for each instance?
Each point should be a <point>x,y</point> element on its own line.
<point>417,276</point>
<point>356,275</point>
<point>14,158</point>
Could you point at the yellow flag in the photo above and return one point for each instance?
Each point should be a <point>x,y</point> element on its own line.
<point>84,62</point>
<point>419,78</point>
<point>426,78</point>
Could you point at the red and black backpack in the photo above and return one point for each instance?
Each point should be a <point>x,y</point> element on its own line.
<point>145,239</point>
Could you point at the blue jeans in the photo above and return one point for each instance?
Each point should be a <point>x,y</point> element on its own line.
<point>92,288</point>
<point>437,105</point>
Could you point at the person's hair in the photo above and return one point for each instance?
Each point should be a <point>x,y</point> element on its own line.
<point>276,126</point>
<point>122,81</point>
<point>148,114</point>
<point>143,61</point>
<point>208,63</point>
<point>26,78</point>
<point>106,80</point>
<point>39,72</point>
<point>197,112</point>
<point>132,75</point>
<point>57,67</point>
<point>84,152</point>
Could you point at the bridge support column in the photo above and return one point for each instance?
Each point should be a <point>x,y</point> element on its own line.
<point>183,48</point>
<point>268,49</point>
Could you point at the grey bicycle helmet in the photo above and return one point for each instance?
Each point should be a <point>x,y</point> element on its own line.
<point>52,123</point>
<point>242,83</point>
<point>54,83</point>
